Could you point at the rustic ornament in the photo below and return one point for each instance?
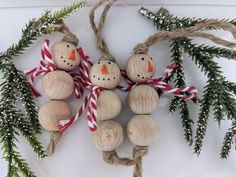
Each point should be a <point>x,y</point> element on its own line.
<point>108,136</point>
<point>143,99</point>
<point>142,130</point>
<point>52,112</point>
<point>105,74</point>
<point>108,105</point>
<point>58,85</point>
<point>65,56</point>
<point>140,67</point>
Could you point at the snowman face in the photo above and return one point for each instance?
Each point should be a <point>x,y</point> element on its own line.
<point>65,56</point>
<point>105,74</point>
<point>140,67</point>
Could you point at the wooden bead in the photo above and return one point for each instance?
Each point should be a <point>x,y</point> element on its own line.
<point>108,105</point>
<point>108,136</point>
<point>140,67</point>
<point>58,85</point>
<point>143,99</point>
<point>142,130</point>
<point>52,112</point>
<point>65,56</point>
<point>105,74</point>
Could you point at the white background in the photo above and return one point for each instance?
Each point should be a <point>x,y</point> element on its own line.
<point>169,156</point>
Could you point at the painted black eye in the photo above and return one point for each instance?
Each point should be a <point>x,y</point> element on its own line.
<point>138,75</point>
<point>68,63</point>
<point>71,65</point>
<point>61,56</point>
<point>98,78</point>
<point>142,58</point>
<point>151,58</point>
<point>93,76</point>
<point>114,77</point>
<point>99,62</point>
<point>104,79</point>
<point>109,62</point>
<point>142,77</point>
<point>108,79</point>
<point>68,46</point>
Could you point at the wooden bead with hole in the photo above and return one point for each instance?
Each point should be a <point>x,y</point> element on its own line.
<point>108,136</point>
<point>142,130</point>
<point>143,99</point>
<point>58,85</point>
<point>108,105</point>
<point>52,112</point>
<point>140,67</point>
<point>105,74</point>
<point>65,56</point>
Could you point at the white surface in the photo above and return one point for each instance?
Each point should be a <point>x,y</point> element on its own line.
<point>170,156</point>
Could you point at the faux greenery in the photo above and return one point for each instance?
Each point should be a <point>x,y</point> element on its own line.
<point>18,112</point>
<point>219,94</point>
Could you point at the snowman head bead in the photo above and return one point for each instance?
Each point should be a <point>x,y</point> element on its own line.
<point>65,56</point>
<point>140,67</point>
<point>105,74</point>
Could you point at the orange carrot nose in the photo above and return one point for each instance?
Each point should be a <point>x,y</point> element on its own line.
<point>150,67</point>
<point>72,55</point>
<point>104,70</point>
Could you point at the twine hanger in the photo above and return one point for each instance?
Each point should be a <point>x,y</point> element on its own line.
<point>101,43</point>
<point>195,31</point>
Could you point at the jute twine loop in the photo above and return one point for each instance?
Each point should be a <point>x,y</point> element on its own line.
<point>54,140</point>
<point>138,153</point>
<point>195,31</point>
<point>107,57</point>
<point>141,49</point>
<point>98,30</point>
<point>68,35</point>
<point>113,158</point>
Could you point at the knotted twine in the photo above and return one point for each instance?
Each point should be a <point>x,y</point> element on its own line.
<point>47,65</point>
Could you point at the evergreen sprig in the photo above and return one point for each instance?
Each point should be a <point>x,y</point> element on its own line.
<point>14,120</point>
<point>219,94</point>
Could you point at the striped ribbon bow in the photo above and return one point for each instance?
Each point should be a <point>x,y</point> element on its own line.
<point>184,93</point>
<point>47,65</point>
<point>90,101</point>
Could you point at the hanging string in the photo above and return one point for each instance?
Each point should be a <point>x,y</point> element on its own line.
<point>195,31</point>
<point>98,30</point>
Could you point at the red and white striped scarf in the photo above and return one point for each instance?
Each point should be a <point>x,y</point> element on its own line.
<point>184,93</point>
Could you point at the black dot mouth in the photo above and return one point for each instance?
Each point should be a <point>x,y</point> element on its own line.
<point>104,79</point>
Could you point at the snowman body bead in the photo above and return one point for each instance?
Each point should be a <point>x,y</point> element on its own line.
<point>58,86</point>
<point>109,134</point>
<point>143,100</point>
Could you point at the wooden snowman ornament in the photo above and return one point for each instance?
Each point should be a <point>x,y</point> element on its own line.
<point>58,85</point>
<point>109,134</point>
<point>106,74</point>
<point>142,129</point>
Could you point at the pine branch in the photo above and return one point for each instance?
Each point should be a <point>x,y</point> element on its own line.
<point>216,95</point>
<point>219,94</point>
<point>179,81</point>
<point>36,28</point>
<point>15,90</point>
<point>228,141</point>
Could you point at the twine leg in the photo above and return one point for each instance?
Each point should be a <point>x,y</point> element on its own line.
<point>138,153</point>
<point>113,158</point>
<point>54,140</point>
